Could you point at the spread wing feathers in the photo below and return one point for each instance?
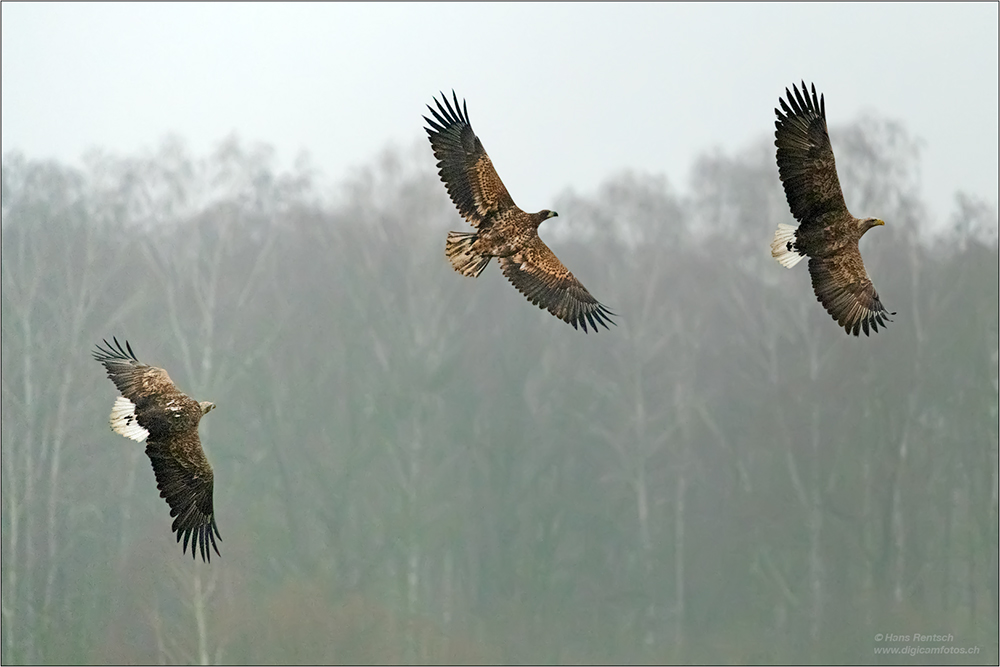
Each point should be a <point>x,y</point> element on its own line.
<point>184,478</point>
<point>805,158</point>
<point>842,286</point>
<point>151,408</point>
<point>135,380</point>
<point>465,168</point>
<point>538,274</point>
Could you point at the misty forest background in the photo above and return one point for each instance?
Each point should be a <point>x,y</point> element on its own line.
<point>413,466</point>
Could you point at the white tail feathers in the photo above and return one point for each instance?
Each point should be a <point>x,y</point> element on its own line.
<point>123,420</point>
<point>458,249</point>
<point>781,246</point>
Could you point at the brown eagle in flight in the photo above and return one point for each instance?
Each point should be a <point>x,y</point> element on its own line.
<point>151,408</point>
<point>503,230</point>
<point>828,234</point>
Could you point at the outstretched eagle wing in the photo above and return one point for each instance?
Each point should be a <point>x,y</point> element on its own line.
<point>151,408</point>
<point>538,274</point>
<point>465,168</point>
<point>185,479</point>
<point>135,380</point>
<point>843,287</point>
<point>806,166</point>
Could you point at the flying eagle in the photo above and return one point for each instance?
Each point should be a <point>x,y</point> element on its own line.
<point>503,230</point>
<point>151,408</point>
<point>828,234</point>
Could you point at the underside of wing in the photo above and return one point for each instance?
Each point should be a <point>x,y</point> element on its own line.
<point>185,479</point>
<point>843,287</point>
<point>464,166</point>
<point>805,159</point>
<point>538,274</point>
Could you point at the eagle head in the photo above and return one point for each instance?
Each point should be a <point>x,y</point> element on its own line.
<point>864,224</point>
<point>536,219</point>
<point>206,407</point>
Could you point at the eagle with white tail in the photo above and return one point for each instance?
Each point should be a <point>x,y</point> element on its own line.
<point>152,409</point>
<point>827,234</point>
<point>503,230</point>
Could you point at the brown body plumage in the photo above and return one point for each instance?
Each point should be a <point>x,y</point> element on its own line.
<point>151,408</point>
<point>828,234</point>
<point>503,230</point>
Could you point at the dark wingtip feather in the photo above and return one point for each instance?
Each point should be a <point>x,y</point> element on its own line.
<point>114,352</point>
<point>447,114</point>
<point>200,539</point>
<point>434,127</point>
<point>128,345</point>
<point>599,315</point>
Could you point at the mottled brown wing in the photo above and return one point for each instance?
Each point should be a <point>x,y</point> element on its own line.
<point>465,168</point>
<point>538,274</point>
<point>134,379</point>
<point>805,159</point>
<point>843,287</point>
<point>185,479</point>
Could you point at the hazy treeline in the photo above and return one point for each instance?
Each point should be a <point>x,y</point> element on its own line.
<point>413,466</point>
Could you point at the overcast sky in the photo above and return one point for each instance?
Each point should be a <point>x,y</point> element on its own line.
<point>562,95</point>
